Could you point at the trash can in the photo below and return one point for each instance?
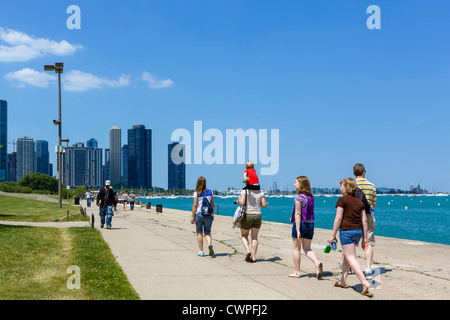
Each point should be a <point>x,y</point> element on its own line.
<point>77,200</point>
<point>159,208</point>
<point>148,205</point>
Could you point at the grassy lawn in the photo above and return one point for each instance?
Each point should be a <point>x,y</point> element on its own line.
<point>22,209</point>
<point>34,260</point>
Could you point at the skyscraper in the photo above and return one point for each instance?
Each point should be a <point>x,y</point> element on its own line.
<point>125,164</point>
<point>92,143</point>
<point>11,171</point>
<point>3,138</point>
<point>115,148</point>
<point>42,156</point>
<point>26,157</point>
<point>177,166</point>
<point>139,157</point>
<point>84,165</point>
<point>107,165</point>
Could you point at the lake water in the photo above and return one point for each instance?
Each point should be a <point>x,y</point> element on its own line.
<point>422,218</point>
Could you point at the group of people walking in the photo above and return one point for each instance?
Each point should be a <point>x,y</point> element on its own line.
<point>354,220</point>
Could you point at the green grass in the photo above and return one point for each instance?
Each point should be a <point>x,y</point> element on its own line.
<point>23,209</point>
<point>34,260</point>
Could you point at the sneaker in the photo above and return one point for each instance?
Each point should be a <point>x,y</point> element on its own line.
<point>211,251</point>
<point>101,226</point>
<point>340,267</point>
<point>109,228</point>
<point>368,273</point>
<point>201,254</point>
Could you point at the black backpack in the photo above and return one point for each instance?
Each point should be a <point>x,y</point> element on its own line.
<point>361,196</point>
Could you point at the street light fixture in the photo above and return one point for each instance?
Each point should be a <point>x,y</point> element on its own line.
<point>58,68</point>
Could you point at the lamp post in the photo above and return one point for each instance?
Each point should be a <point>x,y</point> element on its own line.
<point>58,68</point>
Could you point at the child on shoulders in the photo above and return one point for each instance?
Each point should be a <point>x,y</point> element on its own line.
<point>250,177</point>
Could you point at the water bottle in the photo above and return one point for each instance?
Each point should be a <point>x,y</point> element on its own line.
<point>333,245</point>
<point>327,249</point>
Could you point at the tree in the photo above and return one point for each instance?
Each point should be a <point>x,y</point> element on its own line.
<point>79,192</point>
<point>40,181</point>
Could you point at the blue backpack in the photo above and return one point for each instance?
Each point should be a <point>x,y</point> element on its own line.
<point>206,208</point>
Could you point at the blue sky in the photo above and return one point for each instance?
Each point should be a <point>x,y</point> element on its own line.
<point>338,92</point>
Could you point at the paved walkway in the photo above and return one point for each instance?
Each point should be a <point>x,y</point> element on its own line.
<point>157,251</point>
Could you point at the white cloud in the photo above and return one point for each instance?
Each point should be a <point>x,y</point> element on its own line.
<point>76,80</point>
<point>73,80</point>
<point>23,47</point>
<point>31,77</point>
<point>153,81</point>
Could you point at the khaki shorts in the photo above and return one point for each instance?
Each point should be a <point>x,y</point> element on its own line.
<point>251,221</point>
<point>371,229</point>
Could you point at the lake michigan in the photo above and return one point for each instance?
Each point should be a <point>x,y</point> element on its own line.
<point>420,217</point>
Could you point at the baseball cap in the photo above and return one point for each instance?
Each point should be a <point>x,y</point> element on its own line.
<point>107,182</point>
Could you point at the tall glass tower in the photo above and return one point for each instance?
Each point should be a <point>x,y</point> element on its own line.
<point>42,156</point>
<point>177,166</point>
<point>26,157</point>
<point>139,157</point>
<point>115,150</point>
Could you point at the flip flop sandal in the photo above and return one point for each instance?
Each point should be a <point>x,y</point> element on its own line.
<point>294,275</point>
<point>248,257</point>
<point>367,293</point>
<point>337,284</point>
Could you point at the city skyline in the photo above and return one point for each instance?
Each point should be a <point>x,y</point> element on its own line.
<point>84,179</point>
<point>338,92</point>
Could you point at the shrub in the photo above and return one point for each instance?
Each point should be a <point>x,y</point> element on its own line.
<point>39,181</point>
<point>15,189</point>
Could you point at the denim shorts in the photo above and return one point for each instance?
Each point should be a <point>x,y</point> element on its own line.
<point>306,230</point>
<point>350,236</point>
<point>203,223</point>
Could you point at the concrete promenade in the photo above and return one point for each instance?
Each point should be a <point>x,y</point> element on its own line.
<point>158,253</point>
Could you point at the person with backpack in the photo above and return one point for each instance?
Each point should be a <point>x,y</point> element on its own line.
<point>203,215</point>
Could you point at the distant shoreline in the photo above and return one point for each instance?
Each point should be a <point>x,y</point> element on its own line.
<point>173,196</point>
